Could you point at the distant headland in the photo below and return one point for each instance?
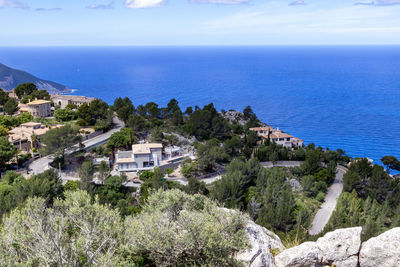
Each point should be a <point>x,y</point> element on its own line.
<point>10,78</point>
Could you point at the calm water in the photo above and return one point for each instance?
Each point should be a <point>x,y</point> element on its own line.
<point>337,97</point>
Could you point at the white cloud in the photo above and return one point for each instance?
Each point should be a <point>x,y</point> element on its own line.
<point>298,3</point>
<point>13,4</point>
<point>144,3</point>
<point>225,2</point>
<point>101,6</point>
<point>288,21</point>
<point>48,9</point>
<point>387,2</point>
<point>378,3</point>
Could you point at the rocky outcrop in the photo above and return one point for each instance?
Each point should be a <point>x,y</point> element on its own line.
<point>383,250</point>
<point>338,248</point>
<point>263,243</point>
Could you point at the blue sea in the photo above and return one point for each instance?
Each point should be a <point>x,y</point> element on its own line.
<point>337,97</point>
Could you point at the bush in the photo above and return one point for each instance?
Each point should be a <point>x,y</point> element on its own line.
<point>174,229</point>
<point>320,196</point>
<point>199,232</point>
<point>23,158</point>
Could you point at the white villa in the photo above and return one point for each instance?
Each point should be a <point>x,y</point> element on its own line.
<point>277,136</point>
<point>142,157</point>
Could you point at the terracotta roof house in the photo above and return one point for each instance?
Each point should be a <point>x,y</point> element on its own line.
<point>21,136</point>
<point>278,137</point>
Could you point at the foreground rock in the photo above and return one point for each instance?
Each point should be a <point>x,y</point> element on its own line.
<point>338,248</point>
<point>383,250</point>
<point>262,243</point>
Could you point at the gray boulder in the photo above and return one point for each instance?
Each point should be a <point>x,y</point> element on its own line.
<point>306,254</point>
<point>262,242</point>
<point>338,248</point>
<point>383,250</point>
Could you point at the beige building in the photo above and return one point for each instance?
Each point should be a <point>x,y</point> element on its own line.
<point>141,157</point>
<point>37,108</point>
<point>277,136</point>
<point>64,100</point>
<point>21,136</point>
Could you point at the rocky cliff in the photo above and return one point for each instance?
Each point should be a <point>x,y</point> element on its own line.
<point>341,248</point>
<point>11,78</point>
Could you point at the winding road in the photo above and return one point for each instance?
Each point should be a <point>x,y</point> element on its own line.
<point>42,164</point>
<point>329,205</point>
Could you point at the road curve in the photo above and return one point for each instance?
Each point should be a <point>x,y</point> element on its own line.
<point>329,205</point>
<point>42,164</point>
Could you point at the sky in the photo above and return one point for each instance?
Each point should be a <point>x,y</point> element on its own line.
<point>198,22</point>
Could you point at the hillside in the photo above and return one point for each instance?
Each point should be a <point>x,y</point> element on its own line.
<point>10,78</point>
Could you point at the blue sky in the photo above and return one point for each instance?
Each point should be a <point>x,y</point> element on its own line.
<point>198,22</point>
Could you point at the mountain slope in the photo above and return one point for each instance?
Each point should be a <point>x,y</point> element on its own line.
<point>10,78</point>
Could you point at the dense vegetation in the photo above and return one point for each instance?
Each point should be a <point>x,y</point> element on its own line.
<point>75,231</point>
<point>371,200</point>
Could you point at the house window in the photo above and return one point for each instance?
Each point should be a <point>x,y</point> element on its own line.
<point>148,164</point>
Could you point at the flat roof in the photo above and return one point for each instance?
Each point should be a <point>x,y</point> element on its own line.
<point>73,97</point>
<point>32,123</point>
<point>144,148</point>
<point>39,102</point>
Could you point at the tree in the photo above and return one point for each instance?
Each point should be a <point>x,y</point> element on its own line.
<point>7,151</point>
<point>104,171</point>
<point>157,134</point>
<point>311,164</point>
<point>57,140</point>
<point>137,123</point>
<point>351,181</point>
<point>3,97</point>
<point>277,200</point>
<point>173,113</point>
<point>152,110</point>
<point>3,131</point>
<point>25,89</point>
<point>189,111</point>
<point>206,123</point>
<point>86,173</point>
<point>83,113</point>
<point>65,114</point>
<point>11,106</point>
<point>209,155</point>
<point>89,114</point>
<point>169,171</point>
<point>391,163</point>
<point>71,186</point>
<point>125,138</point>
<point>195,186</point>
<point>124,108</point>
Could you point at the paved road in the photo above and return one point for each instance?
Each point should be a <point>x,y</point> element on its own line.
<point>42,164</point>
<point>329,205</point>
<point>287,164</point>
<point>266,164</point>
